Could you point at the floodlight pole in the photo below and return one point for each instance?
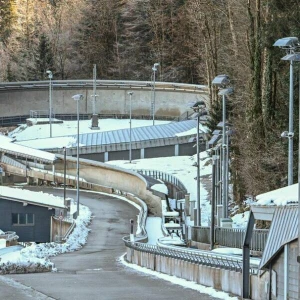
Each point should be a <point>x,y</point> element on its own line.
<point>65,171</point>
<point>198,174</point>
<point>224,171</point>
<point>153,101</point>
<point>130,146</point>
<point>222,81</point>
<point>77,161</point>
<point>290,44</point>
<point>298,257</point>
<point>291,129</point>
<point>50,76</point>
<point>77,98</point>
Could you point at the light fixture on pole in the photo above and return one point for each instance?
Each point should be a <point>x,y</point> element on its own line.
<point>222,81</point>
<point>50,76</point>
<point>77,98</point>
<point>130,148</point>
<point>198,108</point>
<point>154,68</point>
<point>290,44</point>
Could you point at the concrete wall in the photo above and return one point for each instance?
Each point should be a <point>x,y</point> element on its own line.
<point>111,100</point>
<point>220,279</point>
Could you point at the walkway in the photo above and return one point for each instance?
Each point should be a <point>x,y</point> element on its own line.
<point>94,272</point>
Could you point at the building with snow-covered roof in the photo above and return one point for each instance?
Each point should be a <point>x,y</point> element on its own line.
<point>281,254</point>
<point>28,213</point>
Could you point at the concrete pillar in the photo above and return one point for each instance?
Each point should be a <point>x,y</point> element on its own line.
<point>105,156</point>
<point>30,180</point>
<point>142,153</point>
<point>187,205</point>
<point>219,214</point>
<point>176,150</point>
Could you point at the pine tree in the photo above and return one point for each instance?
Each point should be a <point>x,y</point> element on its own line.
<point>7,18</point>
<point>44,59</point>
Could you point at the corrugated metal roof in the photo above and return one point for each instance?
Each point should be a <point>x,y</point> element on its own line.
<point>137,134</point>
<point>284,229</point>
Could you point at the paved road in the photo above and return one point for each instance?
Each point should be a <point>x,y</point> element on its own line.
<point>94,272</point>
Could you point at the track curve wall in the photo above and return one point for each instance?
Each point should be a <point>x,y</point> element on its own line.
<point>171,99</point>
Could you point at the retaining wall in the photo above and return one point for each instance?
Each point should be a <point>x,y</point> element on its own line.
<point>220,279</point>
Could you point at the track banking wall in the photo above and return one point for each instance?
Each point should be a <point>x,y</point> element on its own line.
<point>171,99</point>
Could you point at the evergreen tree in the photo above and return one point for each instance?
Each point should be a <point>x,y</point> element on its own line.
<point>7,18</point>
<point>44,59</point>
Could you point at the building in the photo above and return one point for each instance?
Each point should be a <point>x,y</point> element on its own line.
<point>28,213</point>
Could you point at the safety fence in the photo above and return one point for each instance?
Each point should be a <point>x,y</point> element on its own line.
<point>194,256</point>
<point>181,190</point>
<point>230,237</point>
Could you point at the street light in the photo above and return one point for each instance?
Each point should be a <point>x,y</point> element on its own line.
<point>290,44</point>
<point>65,172</point>
<point>77,98</point>
<point>222,81</point>
<point>50,76</point>
<point>130,95</point>
<point>198,108</point>
<point>153,101</point>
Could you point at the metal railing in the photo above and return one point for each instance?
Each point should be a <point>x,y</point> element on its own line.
<point>230,237</point>
<point>9,236</point>
<point>182,191</point>
<point>200,257</point>
<point>34,114</point>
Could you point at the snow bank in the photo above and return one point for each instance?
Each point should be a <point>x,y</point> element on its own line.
<point>36,258</point>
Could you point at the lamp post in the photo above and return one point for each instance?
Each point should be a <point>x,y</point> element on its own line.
<point>222,81</point>
<point>153,101</point>
<point>290,44</point>
<point>130,148</point>
<point>77,98</point>
<point>198,108</point>
<point>65,171</point>
<point>50,76</point>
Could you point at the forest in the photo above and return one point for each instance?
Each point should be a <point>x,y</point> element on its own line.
<point>193,40</point>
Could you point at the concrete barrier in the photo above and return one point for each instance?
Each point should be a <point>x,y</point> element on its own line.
<point>220,279</point>
<point>18,98</point>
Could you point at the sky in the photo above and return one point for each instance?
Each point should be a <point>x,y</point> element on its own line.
<point>182,167</point>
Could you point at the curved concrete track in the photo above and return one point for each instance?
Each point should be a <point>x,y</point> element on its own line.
<point>94,272</point>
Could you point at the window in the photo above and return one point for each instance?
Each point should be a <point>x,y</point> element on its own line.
<point>23,219</point>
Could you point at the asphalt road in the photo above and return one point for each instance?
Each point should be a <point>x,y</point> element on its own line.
<point>94,271</point>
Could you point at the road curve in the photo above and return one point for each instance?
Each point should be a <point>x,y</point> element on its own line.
<point>94,271</point>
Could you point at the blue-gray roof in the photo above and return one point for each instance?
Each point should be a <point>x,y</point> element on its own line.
<point>137,134</point>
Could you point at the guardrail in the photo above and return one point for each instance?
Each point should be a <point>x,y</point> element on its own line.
<point>230,237</point>
<point>182,191</point>
<point>195,256</point>
<point>15,120</point>
<point>88,83</point>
